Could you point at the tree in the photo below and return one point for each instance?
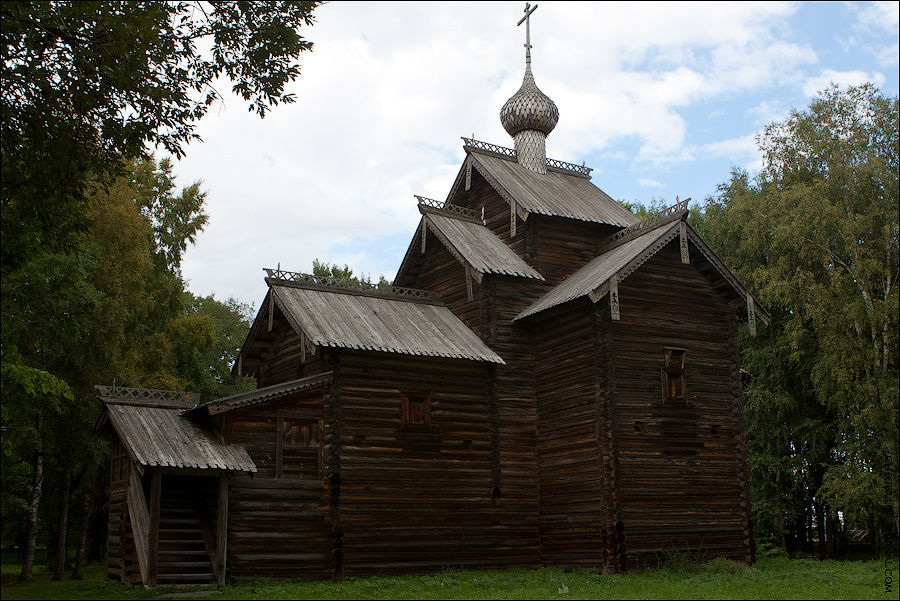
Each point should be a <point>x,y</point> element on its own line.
<point>343,276</point>
<point>816,234</point>
<point>92,240</point>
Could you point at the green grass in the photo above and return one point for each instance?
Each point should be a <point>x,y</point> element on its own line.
<point>770,578</point>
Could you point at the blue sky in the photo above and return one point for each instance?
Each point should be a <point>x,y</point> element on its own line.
<point>660,99</point>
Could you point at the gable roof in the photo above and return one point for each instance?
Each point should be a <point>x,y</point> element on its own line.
<point>559,192</point>
<point>593,279</point>
<point>151,426</point>
<point>476,245</point>
<point>353,319</point>
<point>262,395</point>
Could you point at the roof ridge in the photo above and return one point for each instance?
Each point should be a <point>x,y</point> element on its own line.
<point>471,144</point>
<point>294,279</point>
<point>147,397</point>
<point>676,212</point>
<point>261,395</point>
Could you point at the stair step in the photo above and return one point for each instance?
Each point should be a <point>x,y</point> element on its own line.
<point>183,565</point>
<point>184,578</point>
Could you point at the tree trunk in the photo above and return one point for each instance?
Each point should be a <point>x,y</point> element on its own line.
<point>34,502</point>
<point>820,529</point>
<point>86,513</point>
<point>59,569</point>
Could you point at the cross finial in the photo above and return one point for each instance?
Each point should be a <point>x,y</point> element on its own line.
<point>527,20</point>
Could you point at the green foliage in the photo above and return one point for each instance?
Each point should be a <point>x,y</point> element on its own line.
<point>344,277</point>
<point>815,235</point>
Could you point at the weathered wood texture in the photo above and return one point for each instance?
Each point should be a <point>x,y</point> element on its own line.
<point>279,358</point>
<point>119,474</point>
<point>561,246</point>
<point>422,499</point>
<point>277,526</point>
<point>573,503</point>
<point>682,478</point>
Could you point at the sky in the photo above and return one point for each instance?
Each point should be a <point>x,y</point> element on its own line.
<point>660,99</point>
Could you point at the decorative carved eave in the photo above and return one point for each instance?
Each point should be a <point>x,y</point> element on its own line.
<point>280,277</point>
<point>146,397</point>
<point>429,205</point>
<point>676,212</point>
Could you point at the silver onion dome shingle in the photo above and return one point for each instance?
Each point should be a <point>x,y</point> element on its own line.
<point>529,108</point>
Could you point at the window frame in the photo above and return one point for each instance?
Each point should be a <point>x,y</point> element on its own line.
<point>672,356</point>
<point>280,446</point>
<point>405,399</point>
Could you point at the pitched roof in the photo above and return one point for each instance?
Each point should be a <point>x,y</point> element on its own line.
<point>556,193</point>
<point>156,434</point>
<point>478,246</point>
<point>344,318</point>
<point>599,270</point>
<point>262,395</point>
<point>593,278</point>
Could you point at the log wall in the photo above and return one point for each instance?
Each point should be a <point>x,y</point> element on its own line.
<point>277,527</point>
<point>573,517</point>
<point>560,246</point>
<point>421,499</point>
<point>682,481</point>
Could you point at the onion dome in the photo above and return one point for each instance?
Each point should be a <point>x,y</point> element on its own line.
<point>529,108</point>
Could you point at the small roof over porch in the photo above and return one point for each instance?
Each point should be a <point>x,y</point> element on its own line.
<point>156,433</point>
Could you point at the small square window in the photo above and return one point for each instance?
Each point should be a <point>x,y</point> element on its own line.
<point>416,411</point>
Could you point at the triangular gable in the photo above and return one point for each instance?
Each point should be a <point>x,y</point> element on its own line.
<point>476,246</point>
<point>597,277</point>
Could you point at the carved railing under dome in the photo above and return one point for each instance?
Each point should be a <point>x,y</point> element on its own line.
<point>509,152</point>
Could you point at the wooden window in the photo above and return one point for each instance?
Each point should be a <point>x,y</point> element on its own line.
<point>674,383</point>
<point>299,450</point>
<point>416,411</point>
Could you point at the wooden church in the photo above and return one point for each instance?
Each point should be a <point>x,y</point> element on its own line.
<point>549,382</point>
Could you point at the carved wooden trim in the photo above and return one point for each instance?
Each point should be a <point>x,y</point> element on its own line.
<point>509,153</point>
<point>683,243</point>
<point>308,281</point>
<point>148,397</point>
<point>614,298</point>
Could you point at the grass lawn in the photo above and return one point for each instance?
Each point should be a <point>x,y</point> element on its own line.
<point>770,578</point>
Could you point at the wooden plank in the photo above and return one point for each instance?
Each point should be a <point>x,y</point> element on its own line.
<point>683,243</point>
<point>153,527</point>
<point>222,529</point>
<point>140,522</point>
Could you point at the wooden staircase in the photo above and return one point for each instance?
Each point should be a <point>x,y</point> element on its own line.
<point>183,554</point>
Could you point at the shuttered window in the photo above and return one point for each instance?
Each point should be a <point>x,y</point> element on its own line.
<point>416,411</point>
<point>299,453</point>
<point>674,382</point>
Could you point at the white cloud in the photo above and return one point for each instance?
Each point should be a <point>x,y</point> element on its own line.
<point>741,151</point>
<point>649,183</point>
<point>843,79</point>
<point>389,88</point>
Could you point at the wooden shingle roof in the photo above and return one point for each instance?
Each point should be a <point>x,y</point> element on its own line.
<point>157,434</point>
<point>262,395</point>
<point>478,246</point>
<point>344,318</point>
<point>593,278</point>
<point>556,193</point>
